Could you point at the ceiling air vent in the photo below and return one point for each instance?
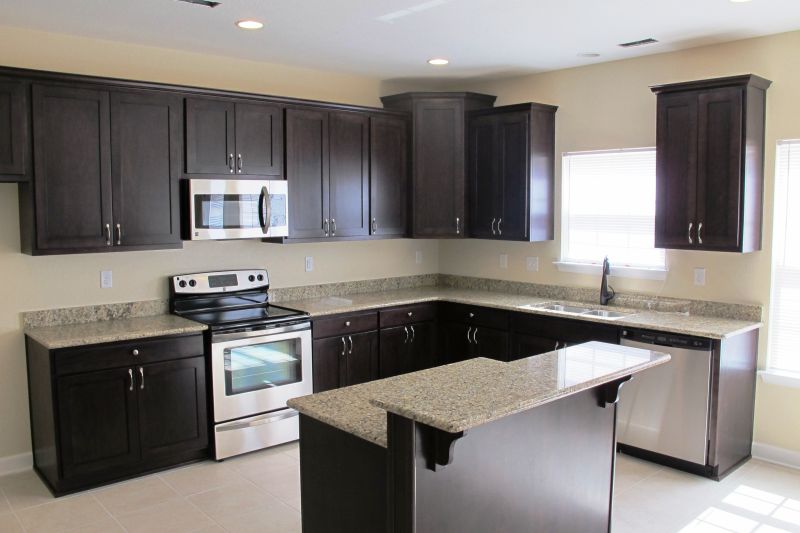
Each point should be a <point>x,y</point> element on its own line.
<point>205,3</point>
<point>642,42</point>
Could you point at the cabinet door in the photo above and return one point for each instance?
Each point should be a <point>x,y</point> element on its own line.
<point>513,149</point>
<point>389,175</point>
<point>394,352</point>
<point>307,172</point>
<point>456,345</point>
<point>209,136</point>
<point>72,155</point>
<point>439,168</point>
<point>13,129</point>
<point>491,343</point>
<point>485,187</point>
<point>676,170</point>
<point>362,358</point>
<point>349,174</point>
<point>327,358</point>
<point>172,407</point>
<point>422,346</point>
<point>259,140</point>
<point>145,167</point>
<point>526,345</point>
<point>98,429</point>
<point>719,163</point>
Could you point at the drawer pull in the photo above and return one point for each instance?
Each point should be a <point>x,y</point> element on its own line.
<point>135,352</point>
<point>347,324</point>
<point>472,315</point>
<point>410,313</point>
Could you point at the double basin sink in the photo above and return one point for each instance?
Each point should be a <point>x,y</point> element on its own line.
<point>577,310</point>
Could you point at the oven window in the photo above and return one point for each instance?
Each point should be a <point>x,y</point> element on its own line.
<point>262,366</point>
<point>226,211</point>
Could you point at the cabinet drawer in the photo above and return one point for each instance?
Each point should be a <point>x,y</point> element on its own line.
<point>476,316</point>
<point>408,314</point>
<point>344,325</point>
<point>105,356</point>
<point>563,329</point>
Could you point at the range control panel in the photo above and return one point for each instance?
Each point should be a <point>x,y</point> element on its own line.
<point>216,282</point>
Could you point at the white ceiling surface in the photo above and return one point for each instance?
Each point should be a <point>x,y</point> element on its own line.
<point>392,39</point>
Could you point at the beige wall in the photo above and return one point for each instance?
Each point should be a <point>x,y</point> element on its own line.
<point>46,282</point>
<point>609,105</point>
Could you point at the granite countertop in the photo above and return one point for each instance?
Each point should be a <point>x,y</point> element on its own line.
<point>70,335</point>
<point>464,395</point>
<point>697,325</point>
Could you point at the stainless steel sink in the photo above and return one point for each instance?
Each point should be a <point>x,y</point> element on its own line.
<point>601,313</point>
<point>565,308</point>
<point>578,310</point>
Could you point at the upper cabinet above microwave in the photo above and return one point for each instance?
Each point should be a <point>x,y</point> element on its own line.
<point>710,164</point>
<point>233,137</point>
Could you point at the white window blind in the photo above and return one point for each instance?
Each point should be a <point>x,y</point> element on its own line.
<point>784,316</point>
<point>609,204</point>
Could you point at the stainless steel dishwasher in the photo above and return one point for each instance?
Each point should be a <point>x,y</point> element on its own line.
<point>665,409</point>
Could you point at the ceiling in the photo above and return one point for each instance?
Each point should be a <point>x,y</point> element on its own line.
<point>393,39</point>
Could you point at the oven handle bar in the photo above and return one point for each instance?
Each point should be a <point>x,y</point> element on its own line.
<point>225,337</point>
<point>288,413</point>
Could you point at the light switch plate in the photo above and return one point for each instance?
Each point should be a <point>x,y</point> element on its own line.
<point>532,264</point>
<point>309,263</point>
<point>106,279</point>
<point>418,257</point>
<point>503,260</point>
<point>700,276</point>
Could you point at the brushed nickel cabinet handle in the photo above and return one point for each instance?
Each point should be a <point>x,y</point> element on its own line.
<point>141,375</point>
<point>119,234</point>
<point>333,227</point>
<point>130,375</point>
<point>458,225</point>
<point>230,163</point>
<point>475,336</point>
<point>350,338</point>
<point>344,346</point>
<point>493,221</point>
<point>108,234</point>
<point>499,231</point>
<point>469,332</point>
<point>325,226</point>
<point>700,233</point>
<point>413,334</point>
<point>690,233</point>
<point>406,330</point>
<point>374,226</point>
<point>240,162</point>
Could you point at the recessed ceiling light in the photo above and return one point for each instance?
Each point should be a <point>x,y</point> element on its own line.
<point>438,61</point>
<point>249,24</point>
<point>588,54</point>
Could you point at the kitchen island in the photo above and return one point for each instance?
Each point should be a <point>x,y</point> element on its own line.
<point>475,446</point>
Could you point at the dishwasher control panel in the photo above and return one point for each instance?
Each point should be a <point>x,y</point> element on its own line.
<point>667,339</point>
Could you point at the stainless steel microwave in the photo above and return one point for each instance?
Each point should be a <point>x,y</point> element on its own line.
<point>237,209</point>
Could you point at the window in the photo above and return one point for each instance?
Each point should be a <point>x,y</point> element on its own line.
<point>784,315</point>
<point>609,205</point>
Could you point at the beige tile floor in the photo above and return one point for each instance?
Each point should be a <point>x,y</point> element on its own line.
<point>260,492</point>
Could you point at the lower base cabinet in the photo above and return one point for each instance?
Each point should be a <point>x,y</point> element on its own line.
<point>345,360</point>
<point>108,412</point>
<point>406,349</point>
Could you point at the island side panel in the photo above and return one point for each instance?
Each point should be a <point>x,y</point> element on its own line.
<point>546,469</point>
<point>342,480</point>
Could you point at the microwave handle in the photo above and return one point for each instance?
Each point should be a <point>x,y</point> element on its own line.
<point>263,202</point>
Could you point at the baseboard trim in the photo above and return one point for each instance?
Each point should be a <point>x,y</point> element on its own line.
<point>11,464</point>
<point>777,455</point>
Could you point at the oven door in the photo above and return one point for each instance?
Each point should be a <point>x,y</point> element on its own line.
<point>258,371</point>
<point>238,209</point>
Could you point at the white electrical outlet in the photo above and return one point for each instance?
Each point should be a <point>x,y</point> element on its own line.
<point>418,257</point>
<point>309,264</point>
<point>106,279</point>
<point>700,276</point>
<point>503,260</point>
<point>532,264</point>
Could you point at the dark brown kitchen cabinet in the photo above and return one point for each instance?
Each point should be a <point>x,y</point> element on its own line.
<point>536,334</point>
<point>327,362</point>
<point>14,130</point>
<point>106,412</point>
<point>407,348</point>
<point>327,167</point>
<point>710,164</point>
<point>438,185</point>
<point>107,171</point>
<point>345,360</point>
<point>389,173</point>
<point>511,158</point>
<point>462,341</point>
<point>234,138</point>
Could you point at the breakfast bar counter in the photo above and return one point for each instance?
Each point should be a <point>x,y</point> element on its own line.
<point>480,445</point>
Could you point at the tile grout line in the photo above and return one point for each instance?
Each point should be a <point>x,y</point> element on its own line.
<point>114,518</point>
<point>13,511</point>
<point>213,520</point>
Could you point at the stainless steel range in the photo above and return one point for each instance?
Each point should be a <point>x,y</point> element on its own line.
<point>260,356</point>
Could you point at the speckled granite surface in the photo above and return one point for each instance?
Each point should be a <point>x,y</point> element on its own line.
<point>701,326</point>
<point>94,313</point>
<point>352,287</point>
<point>464,395</point>
<point>69,335</point>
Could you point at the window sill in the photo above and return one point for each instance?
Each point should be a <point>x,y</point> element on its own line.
<point>778,377</point>
<point>616,271</point>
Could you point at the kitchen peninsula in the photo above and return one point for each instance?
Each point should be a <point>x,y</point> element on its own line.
<point>479,445</point>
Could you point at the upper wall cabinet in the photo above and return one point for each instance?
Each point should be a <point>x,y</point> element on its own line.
<point>235,138</point>
<point>389,171</point>
<point>710,164</point>
<point>107,170</point>
<point>511,161</point>
<point>438,186</point>
<point>14,132</point>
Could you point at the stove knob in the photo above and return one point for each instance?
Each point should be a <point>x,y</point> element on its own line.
<point>251,278</point>
<point>261,277</point>
<point>192,283</point>
<point>182,284</point>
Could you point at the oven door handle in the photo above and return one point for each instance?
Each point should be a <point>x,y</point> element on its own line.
<point>289,413</point>
<point>230,337</point>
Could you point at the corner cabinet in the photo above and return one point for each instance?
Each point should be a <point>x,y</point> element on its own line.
<point>710,164</point>
<point>14,131</point>
<point>438,185</point>
<point>103,413</point>
<point>107,170</point>
<point>511,168</point>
